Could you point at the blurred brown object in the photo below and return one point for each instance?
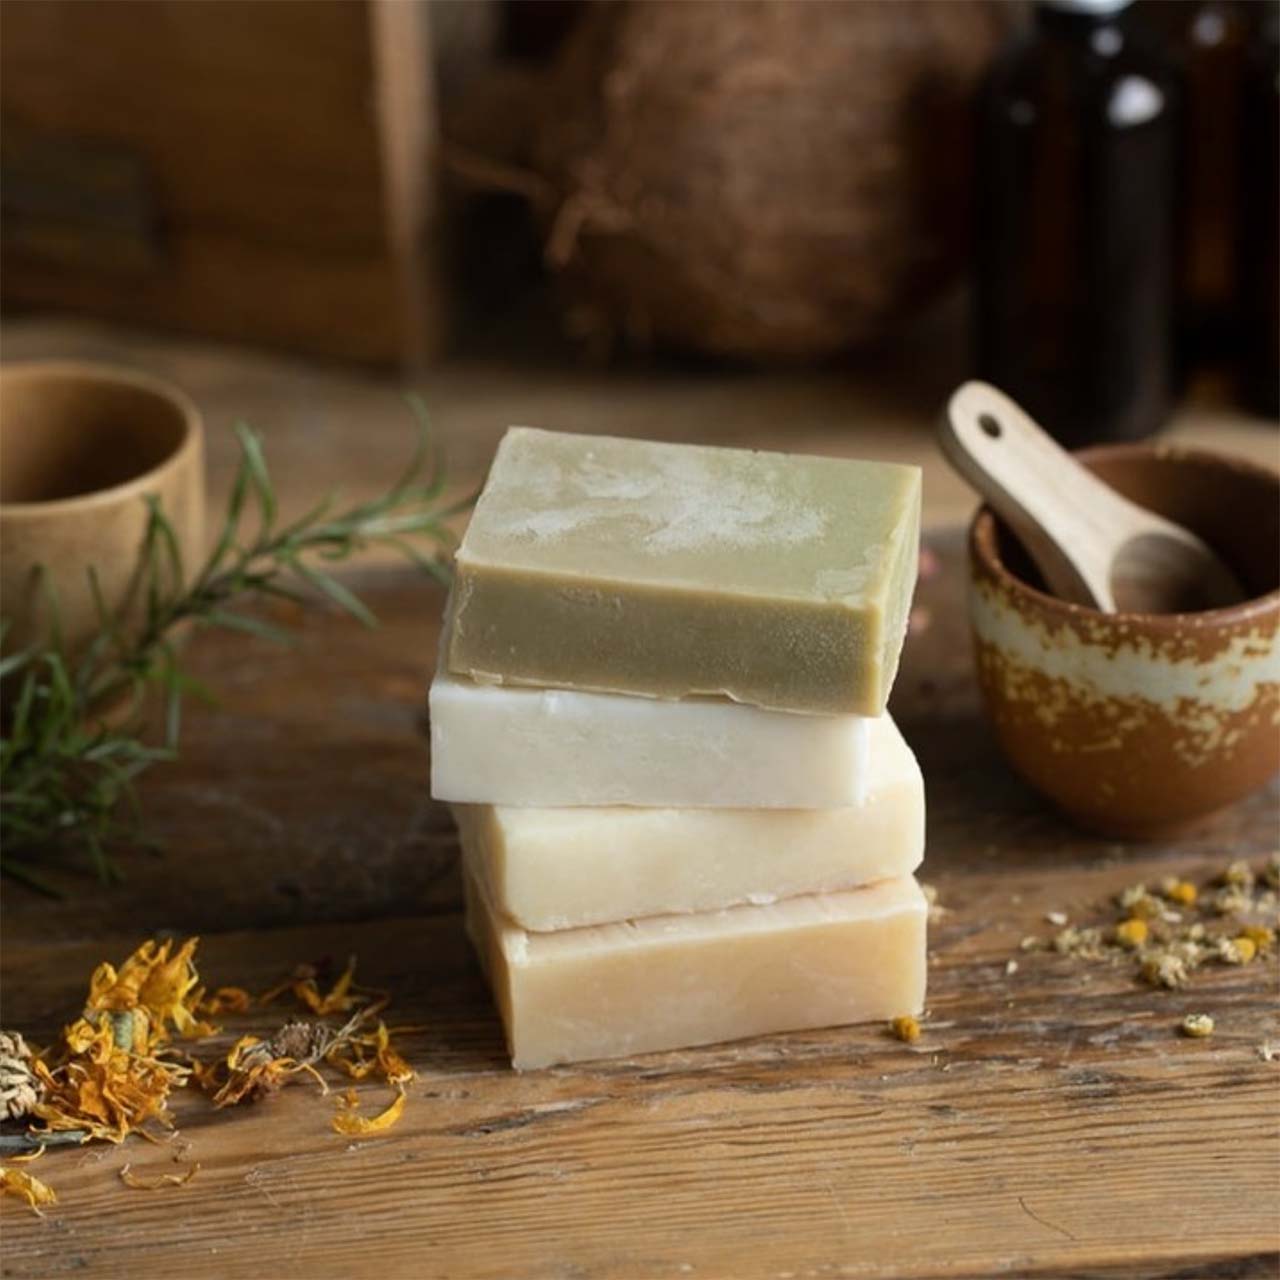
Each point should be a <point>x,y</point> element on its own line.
<point>1258,282</point>
<point>759,179</point>
<point>259,172</point>
<point>1209,39</point>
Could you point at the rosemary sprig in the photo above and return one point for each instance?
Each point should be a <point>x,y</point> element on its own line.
<point>67,771</point>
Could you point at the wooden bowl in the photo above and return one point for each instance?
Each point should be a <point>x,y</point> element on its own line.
<point>1138,725</point>
<point>81,448</point>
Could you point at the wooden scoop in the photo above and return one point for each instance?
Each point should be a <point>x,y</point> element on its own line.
<point>1092,546</point>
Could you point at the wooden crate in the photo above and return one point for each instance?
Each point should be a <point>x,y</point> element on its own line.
<point>259,171</point>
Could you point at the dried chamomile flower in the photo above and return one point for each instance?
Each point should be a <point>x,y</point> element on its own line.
<point>1237,950</point>
<point>1231,900</point>
<point>1131,934</point>
<point>1137,900</point>
<point>905,1028</point>
<point>19,1088</point>
<point>1085,943</point>
<point>1163,969</point>
<point>1197,1025</point>
<point>1179,891</point>
<point>1239,874</point>
<point>1262,936</point>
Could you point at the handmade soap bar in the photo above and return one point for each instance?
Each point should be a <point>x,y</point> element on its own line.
<point>666,982</point>
<point>667,570</point>
<point>563,868</point>
<point>493,744</point>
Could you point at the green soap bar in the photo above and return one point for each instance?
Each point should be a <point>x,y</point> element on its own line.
<point>669,570</point>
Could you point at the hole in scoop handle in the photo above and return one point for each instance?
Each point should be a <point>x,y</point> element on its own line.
<point>1066,519</point>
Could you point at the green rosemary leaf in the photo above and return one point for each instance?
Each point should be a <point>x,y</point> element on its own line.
<point>336,592</point>
<point>256,467</point>
<point>250,626</point>
<point>67,776</point>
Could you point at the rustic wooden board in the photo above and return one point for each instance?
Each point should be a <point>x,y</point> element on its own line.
<point>1050,1122</point>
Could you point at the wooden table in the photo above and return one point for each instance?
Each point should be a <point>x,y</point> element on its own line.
<point>1049,1122</point>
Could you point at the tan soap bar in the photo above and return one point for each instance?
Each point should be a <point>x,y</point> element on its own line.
<point>666,570</point>
<point>667,982</point>
<point>563,868</point>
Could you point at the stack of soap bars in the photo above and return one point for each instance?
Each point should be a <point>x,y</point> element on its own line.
<point>659,715</point>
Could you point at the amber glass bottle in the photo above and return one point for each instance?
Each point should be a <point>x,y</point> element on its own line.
<point>1076,238</point>
<point>1259,252</point>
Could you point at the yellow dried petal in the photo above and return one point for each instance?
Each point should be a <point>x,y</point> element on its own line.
<point>1132,933</point>
<point>26,1187</point>
<point>906,1029</point>
<point>226,1000</point>
<point>154,1183</point>
<point>354,1125</point>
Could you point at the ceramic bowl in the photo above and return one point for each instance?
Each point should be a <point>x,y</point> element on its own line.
<point>1138,725</point>
<point>81,447</point>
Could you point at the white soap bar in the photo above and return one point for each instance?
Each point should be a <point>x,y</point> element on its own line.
<point>495,744</point>
<point>563,868</point>
<point>667,982</point>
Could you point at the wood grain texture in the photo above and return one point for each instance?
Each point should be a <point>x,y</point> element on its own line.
<point>1049,1123</point>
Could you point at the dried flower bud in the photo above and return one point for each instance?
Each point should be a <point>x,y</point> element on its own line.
<point>1197,1025</point>
<point>906,1029</point>
<point>1131,933</point>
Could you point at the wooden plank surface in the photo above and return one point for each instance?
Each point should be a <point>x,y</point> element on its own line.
<point>1050,1121</point>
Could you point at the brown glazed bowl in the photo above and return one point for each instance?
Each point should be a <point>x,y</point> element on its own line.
<point>1138,725</point>
<point>81,448</point>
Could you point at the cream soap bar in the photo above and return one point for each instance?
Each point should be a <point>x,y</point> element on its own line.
<point>563,868</point>
<point>667,982</point>
<point>667,570</point>
<point>500,744</point>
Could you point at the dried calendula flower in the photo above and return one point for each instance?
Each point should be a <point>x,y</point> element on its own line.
<point>254,1067</point>
<point>103,1089</point>
<point>1197,1025</point>
<point>905,1028</point>
<point>370,1053</point>
<point>26,1187</point>
<point>342,997</point>
<point>1131,933</point>
<point>156,981</point>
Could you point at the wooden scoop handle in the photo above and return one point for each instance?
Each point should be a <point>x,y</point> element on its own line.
<point>1068,520</point>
